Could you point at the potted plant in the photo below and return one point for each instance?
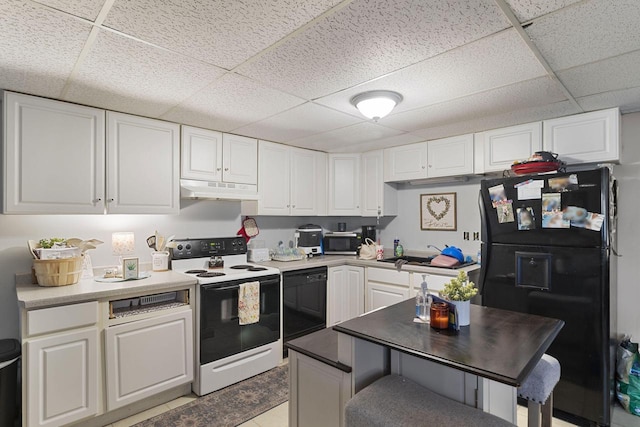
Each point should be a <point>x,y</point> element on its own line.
<point>460,291</point>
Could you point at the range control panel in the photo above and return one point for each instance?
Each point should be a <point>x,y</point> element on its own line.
<point>203,248</point>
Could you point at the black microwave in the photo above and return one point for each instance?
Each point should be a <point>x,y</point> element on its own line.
<point>341,243</point>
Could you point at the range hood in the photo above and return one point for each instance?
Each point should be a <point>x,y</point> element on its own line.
<point>191,189</point>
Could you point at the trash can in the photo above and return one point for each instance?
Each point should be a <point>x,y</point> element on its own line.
<point>9,354</point>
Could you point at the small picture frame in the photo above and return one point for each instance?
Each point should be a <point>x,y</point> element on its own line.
<point>438,211</point>
<point>130,268</point>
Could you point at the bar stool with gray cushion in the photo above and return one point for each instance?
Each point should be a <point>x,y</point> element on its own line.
<point>537,389</point>
<point>395,401</point>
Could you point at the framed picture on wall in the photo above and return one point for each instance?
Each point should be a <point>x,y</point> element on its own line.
<point>438,211</point>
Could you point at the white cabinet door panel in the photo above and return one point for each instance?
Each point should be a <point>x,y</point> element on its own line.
<point>273,187</point>
<point>383,295</point>
<point>344,184</point>
<point>303,185</point>
<point>585,138</point>
<point>54,156</point>
<point>201,154</point>
<point>354,292</point>
<point>405,162</point>
<point>143,165</point>
<point>62,378</point>
<point>450,156</point>
<point>240,159</point>
<point>503,146</point>
<point>335,285</point>
<point>148,356</point>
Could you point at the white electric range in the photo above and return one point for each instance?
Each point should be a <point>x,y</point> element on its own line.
<point>227,352</point>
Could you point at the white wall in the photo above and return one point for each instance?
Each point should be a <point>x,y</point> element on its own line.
<point>406,226</point>
<point>628,175</point>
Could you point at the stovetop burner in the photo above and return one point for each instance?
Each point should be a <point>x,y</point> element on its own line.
<point>210,274</point>
<point>195,271</point>
<point>241,267</point>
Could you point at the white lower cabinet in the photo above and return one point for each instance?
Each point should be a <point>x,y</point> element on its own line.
<point>62,384</point>
<point>148,356</point>
<point>345,293</point>
<point>386,287</point>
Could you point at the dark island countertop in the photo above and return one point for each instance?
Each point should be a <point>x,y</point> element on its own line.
<point>322,346</point>
<point>500,345</point>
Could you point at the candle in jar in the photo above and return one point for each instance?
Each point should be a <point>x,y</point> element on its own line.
<point>439,315</point>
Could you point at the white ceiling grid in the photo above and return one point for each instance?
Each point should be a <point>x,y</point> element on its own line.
<point>285,70</point>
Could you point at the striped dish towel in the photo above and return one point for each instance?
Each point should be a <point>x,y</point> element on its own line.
<point>249,303</point>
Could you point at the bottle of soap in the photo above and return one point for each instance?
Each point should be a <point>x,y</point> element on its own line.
<point>426,301</point>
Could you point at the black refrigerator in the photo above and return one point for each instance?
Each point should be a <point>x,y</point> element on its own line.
<point>546,251</point>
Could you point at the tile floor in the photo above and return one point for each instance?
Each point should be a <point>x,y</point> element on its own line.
<point>278,416</point>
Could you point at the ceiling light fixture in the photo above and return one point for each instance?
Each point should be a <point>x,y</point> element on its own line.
<point>376,104</point>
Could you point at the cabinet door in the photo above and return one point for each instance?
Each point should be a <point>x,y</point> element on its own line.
<point>344,184</point>
<point>435,282</point>
<point>302,185</point>
<point>201,154</point>
<point>62,378</point>
<point>321,182</point>
<point>354,293</point>
<point>450,156</point>
<point>143,165</point>
<point>336,280</point>
<point>405,162</point>
<point>274,173</point>
<point>54,157</point>
<point>383,295</point>
<point>148,356</point>
<point>585,138</point>
<point>240,159</point>
<point>501,147</point>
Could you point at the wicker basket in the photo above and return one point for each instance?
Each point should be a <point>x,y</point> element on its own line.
<point>58,272</point>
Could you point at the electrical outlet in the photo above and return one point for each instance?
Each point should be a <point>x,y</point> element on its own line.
<point>465,235</point>
<point>476,235</point>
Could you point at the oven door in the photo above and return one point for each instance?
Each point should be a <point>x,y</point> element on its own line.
<point>221,334</point>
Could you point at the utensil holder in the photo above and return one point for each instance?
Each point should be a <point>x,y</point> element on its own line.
<point>160,260</point>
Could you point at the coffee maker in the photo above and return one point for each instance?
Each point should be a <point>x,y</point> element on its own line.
<point>308,237</point>
<point>368,231</point>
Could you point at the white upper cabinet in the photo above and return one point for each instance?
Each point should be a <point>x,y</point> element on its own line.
<point>201,157</point>
<point>291,181</point>
<point>497,149</point>
<point>53,157</point>
<point>303,182</point>
<point>450,156</point>
<point>378,197</point>
<point>240,159</point>
<point>405,162</point>
<point>344,184</point>
<point>585,138</point>
<point>143,159</point>
<point>212,156</point>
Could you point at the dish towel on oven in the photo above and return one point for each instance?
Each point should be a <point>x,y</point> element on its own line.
<point>249,303</point>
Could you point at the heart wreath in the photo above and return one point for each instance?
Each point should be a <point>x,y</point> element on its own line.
<point>437,200</point>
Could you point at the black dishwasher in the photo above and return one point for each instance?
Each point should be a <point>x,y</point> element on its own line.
<point>305,302</point>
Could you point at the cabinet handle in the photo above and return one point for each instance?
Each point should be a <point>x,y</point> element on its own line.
<point>219,169</point>
<point>430,166</point>
<point>423,167</point>
<point>226,169</point>
<point>97,200</point>
<point>293,206</point>
<point>109,200</point>
<point>288,206</point>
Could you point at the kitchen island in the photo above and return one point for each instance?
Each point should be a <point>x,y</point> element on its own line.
<point>481,365</point>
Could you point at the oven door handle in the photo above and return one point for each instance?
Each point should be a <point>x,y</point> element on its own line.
<point>226,288</point>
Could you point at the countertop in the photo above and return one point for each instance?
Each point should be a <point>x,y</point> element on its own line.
<point>499,345</point>
<point>35,296</point>
<point>321,345</point>
<point>338,260</point>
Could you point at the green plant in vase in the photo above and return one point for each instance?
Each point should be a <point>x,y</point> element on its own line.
<point>459,288</point>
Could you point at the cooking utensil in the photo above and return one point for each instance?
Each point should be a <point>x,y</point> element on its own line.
<point>151,241</point>
<point>32,248</point>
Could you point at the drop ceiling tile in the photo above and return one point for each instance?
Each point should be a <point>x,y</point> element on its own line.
<point>615,73</point>
<point>522,95</point>
<point>38,48</point>
<point>231,102</point>
<point>87,9</point>
<point>587,32</point>
<point>391,141</point>
<point>368,39</point>
<point>498,60</point>
<point>526,10</point>
<point>511,118</point>
<point>299,122</point>
<point>123,74</point>
<point>347,137</point>
<point>628,100</point>
<point>220,32</point>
